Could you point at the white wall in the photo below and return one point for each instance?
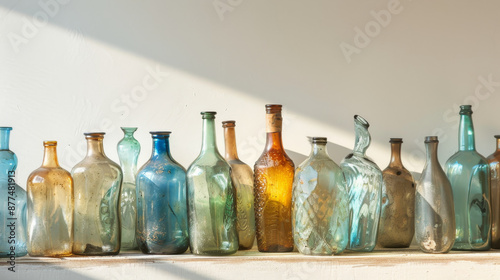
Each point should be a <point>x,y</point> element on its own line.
<point>75,72</point>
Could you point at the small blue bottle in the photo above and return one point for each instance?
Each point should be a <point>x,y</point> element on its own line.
<point>13,203</point>
<point>162,217</point>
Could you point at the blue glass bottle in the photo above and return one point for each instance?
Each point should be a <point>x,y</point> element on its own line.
<point>162,221</point>
<point>13,203</point>
<point>320,204</point>
<point>469,175</point>
<point>364,184</point>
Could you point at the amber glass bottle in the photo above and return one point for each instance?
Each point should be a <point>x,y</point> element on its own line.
<point>273,183</point>
<point>494,162</point>
<point>50,207</point>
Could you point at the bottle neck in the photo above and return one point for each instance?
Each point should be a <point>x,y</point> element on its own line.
<point>230,143</point>
<point>161,147</point>
<point>95,147</point>
<point>466,133</point>
<point>498,144</point>
<point>208,142</point>
<point>4,139</point>
<point>273,128</point>
<point>50,157</point>
<point>362,141</point>
<point>318,150</point>
<point>431,156</point>
<point>395,155</point>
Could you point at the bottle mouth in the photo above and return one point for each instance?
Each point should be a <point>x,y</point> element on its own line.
<point>160,133</point>
<point>396,140</point>
<point>49,143</point>
<point>94,135</point>
<point>9,128</point>
<point>497,136</point>
<point>228,124</point>
<point>465,109</point>
<point>128,129</point>
<point>273,108</point>
<point>318,140</point>
<point>431,139</point>
<point>208,114</point>
<point>360,120</point>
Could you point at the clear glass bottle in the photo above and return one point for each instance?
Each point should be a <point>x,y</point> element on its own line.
<point>128,153</point>
<point>162,215</point>
<point>50,207</point>
<point>97,185</point>
<point>469,175</point>
<point>364,184</point>
<point>320,204</point>
<point>434,210</point>
<point>397,226</point>
<point>242,178</point>
<point>211,198</point>
<point>13,203</point>
<point>273,184</point>
<point>494,162</point>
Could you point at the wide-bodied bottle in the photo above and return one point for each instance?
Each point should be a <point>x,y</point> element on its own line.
<point>97,186</point>
<point>162,215</point>
<point>211,198</point>
<point>273,183</point>
<point>50,207</point>
<point>364,184</point>
<point>469,175</point>
<point>494,162</point>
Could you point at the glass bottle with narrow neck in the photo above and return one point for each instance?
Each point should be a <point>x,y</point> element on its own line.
<point>97,186</point>
<point>50,207</point>
<point>469,175</point>
<point>396,227</point>
<point>364,184</point>
<point>162,215</point>
<point>11,192</point>
<point>320,204</point>
<point>242,178</point>
<point>128,152</point>
<point>273,182</point>
<point>494,162</point>
<point>434,207</point>
<point>211,198</point>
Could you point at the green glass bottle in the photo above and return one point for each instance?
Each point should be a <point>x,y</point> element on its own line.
<point>469,175</point>
<point>211,198</point>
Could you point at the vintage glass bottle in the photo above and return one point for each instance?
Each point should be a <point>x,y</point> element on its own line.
<point>13,203</point>
<point>50,207</point>
<point>97,186</point>
<point>128,153</point>
<point>494,162</point>
<point>320,204</point>
<point>469,175</point>
<point>211,198</point>
<point>364,184</point>
<point>434,209</point>
<point>242,178</point>
<point>162,215</point>
<point>397,226</point>
<point>273,183</point>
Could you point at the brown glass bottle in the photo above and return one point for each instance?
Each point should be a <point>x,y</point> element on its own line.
<point>494,162</point>
<point>273,183</point>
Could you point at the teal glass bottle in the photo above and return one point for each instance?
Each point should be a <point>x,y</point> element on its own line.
<point>364,184</point>
<point>211,198</point>
<point>13,203</point>
<point>162,217</point>
<point>320,204</point>
<point>128,153</point>
<point>469,175</point>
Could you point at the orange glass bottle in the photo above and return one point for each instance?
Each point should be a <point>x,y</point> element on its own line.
<point>273,182</point>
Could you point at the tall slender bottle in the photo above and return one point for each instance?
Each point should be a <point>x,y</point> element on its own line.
<point>97,186</point>
<point>211,198</point>
<point>128,153</point>
<point>242,177</point>
<point>494,162</point>
<point>469,175</point>
<point>397,227</point>
<point>320,204</point>
<point>162,215</point>
<point>273,183</point>
<point>50,207</point>
<point>364,183</point>
<point>434,210</point>
<point>13,203</point>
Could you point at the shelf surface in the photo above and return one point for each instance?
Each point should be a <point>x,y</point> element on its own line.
<point>379,264</point>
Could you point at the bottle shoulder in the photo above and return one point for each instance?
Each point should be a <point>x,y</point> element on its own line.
<point>94,163</point>
<point>273,158</point>
<point>358,163</point>
<point>466,159</point>
<point>160,166</point>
